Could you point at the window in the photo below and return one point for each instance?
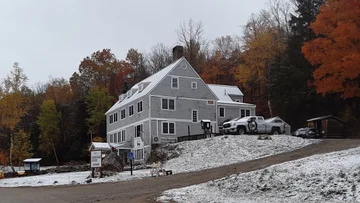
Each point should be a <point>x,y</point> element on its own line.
<point>247,112</point>
<point>242,113</point>
<point>115,138</point>
<point>184,66</point>
<point>123,136</point>
<point>111,119</point>
<point>115,117</point>
<point>131,110</point>
<point>122,113</point>
<point>128,93</point>
<point>119,136</point>
<point>193,85</point>
<point>168,104</point>
<point>138,130</point>
<point>194,116</point>
<point>111,138</point>
<point>168,128</point>
<point>139,107</point>
<point>174,83</point>
<point>141,87</point>
<point>210,102</point>
<point>139,154</point>
<point>222,112</point>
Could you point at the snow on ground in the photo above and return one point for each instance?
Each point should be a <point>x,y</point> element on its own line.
<point>69,179</point>
<point>332,177</point>
<point>195,156</point>
<point>225,150</point>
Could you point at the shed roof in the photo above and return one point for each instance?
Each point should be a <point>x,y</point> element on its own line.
<point>32,160</point>
<point>274,118</point>
<point>100,146</point>
<point>324,118</point>
<point>153,80</point>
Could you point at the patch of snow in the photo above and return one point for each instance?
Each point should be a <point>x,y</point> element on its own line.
<point>230,149</point>
<point>331,177</point>
<point>68,178</point>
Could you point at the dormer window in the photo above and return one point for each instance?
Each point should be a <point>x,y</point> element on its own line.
<point>128,94</point>
<point>141,87</point>
<point>174,83</point>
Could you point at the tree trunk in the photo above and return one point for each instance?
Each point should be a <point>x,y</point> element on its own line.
<point>57,160</point>
<point>11,149</point>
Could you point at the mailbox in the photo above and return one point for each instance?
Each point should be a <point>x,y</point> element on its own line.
<point>205,124</point>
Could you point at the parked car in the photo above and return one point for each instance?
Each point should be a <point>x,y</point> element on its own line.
<point>308,133</point>
<point>252,124</point>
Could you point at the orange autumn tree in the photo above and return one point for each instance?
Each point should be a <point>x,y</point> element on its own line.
<point>336,51</point>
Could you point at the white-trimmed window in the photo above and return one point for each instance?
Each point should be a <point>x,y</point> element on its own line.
<point>115,117</point>
<point>123,136</point>
<point>193,85</point>
<point>138,130</point>
<point>139,106</point>
<point>115,138</point>
<point>210,102</point>
<point>111,118</point>
<point>131,110</point>
<point>247,112</point>
<point>168,128</point>
<point>242,113</point>
<point>168,104</point>
<point>194,115</point>
<point>222,112</point>
<point>122,113</point>
<point>139,154</point>
<point>119,136</point>
<point>111,138</point>
<point>174,83</point>
<point>141,87</point>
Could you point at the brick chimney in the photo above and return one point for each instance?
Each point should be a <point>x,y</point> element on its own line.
<point>178,52</point>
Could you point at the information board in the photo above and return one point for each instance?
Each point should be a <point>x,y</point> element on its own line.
<point>95,159</point>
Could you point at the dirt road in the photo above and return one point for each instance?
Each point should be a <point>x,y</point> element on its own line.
<point>145,190</point>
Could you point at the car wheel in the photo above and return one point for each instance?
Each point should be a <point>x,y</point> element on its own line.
<point>275,132</point>
<point>240,131</point>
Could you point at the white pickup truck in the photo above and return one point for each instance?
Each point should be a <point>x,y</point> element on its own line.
<point>252,124</point>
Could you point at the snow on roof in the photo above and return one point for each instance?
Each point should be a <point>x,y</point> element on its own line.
<point>126,145</point>
<point>100,146</point>
<point>274,118</point>
<point>223,91</point>
<point>325,117</point>
<point>32,160</point>
<point>236,103</point>
<point>153,80</point>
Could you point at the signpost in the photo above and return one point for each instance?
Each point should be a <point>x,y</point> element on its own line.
<point>131,157</point>
<point>95,161</point>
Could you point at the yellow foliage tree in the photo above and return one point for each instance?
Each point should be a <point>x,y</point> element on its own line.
<point>22,147</point>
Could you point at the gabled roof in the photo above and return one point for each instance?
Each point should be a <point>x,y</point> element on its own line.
<point>222,92</point>
<point>325,117</point>
<point>103,146</point>
<point>274,118</point>
<point>153,81</point>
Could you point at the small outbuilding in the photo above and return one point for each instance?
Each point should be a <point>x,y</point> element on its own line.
<point>32,165</point>
<point>329,125</point>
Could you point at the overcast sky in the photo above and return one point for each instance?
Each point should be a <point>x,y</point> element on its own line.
<point>50,38</point>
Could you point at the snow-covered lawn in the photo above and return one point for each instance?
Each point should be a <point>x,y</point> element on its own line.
<point>195,156</point>
<point>69,179</point>
<point>332,177</point>
<point>226,150</point>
